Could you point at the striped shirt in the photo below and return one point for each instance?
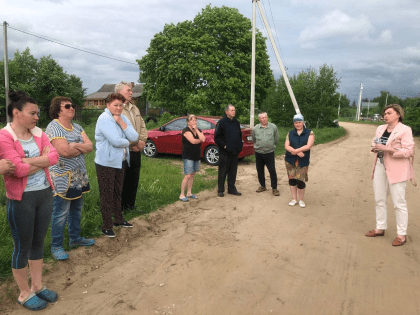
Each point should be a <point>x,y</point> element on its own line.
<point>69,175</point>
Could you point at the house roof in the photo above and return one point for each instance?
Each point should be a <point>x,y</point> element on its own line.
<point>107,89</point>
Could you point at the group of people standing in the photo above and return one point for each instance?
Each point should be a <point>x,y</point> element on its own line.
<point>45,179</point>
<point>45,173</point>
<point>392,169</point>
<point>265,136</point>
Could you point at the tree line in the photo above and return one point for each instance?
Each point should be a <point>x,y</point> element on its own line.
<point>200,66</point>
<point>43,79</point>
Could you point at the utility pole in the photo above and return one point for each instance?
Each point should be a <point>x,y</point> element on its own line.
<point>251,118</point>
<point>368,108</point>
<point>6,69</point>
<point>360,103</point>
<point>339,104</point>
<point>386,100</point>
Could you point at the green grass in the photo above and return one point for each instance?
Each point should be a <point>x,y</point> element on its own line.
<point>369,122</point>
<point>160,180</point>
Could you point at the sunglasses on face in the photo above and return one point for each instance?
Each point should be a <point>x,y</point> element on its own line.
<point>67,106</point>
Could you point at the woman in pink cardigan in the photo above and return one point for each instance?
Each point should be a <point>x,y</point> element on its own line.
<point>29,196</point>
<point>392,169</point>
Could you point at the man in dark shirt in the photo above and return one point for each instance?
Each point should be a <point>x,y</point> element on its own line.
<point>228,137</point>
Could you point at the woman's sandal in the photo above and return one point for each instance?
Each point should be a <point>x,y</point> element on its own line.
<point>33,302</point>
<point>47,295</point>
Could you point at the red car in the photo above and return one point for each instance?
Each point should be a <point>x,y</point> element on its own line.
<point>168,139</point>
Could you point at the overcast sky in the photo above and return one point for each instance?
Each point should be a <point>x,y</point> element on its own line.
<point>374,42</point>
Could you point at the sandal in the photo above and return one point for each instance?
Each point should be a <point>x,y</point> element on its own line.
<point>184,199</point>
<point>192,196</point>
<point>33,302</point>
<point>47,295</point>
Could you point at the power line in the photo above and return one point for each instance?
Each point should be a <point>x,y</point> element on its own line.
<point>72,46</point>
<point>278,41</point>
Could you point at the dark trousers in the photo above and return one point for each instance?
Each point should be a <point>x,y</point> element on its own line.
<point>29,219</point>
<point>269,161</point>
<point>131,181</point>
<point>228,166</point>
<point>110,182</point>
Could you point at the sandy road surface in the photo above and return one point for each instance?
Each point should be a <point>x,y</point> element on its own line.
<point>255,254</point>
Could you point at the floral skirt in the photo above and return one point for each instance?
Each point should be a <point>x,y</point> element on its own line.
<point>297,172</point>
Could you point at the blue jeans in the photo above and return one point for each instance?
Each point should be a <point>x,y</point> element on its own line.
<point>65,209</point>
<point>190,166</point>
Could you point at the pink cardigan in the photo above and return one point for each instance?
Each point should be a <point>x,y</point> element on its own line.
<point>10,148</point>
<point>397,165</point>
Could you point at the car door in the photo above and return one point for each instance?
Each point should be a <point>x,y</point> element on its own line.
<point>171,137</point>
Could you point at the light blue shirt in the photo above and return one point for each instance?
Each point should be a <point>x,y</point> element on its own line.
<point>112,141</point>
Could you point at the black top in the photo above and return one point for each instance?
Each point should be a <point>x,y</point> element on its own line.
<point>228,134</point>
<point>190,151</point>
<point>384,137</point>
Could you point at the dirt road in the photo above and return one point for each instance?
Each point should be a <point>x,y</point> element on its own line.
<point>254,254</point>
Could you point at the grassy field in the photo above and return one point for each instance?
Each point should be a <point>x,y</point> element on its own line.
<point>159,185</point>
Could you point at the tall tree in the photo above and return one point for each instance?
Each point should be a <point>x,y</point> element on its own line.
<point>205,64</point>
<point>388,98</point>
<point>42,79</point>
<point>315,92</point>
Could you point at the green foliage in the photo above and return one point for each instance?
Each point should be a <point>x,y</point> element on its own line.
<point>205,64</point>
<point>42,79</point>
<point>412,116</point>
<point>315,93</point>
<point>391,99</point>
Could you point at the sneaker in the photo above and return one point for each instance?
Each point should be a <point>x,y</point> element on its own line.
<point>109,233</point>
<point>276,192</point>
<point>59,253</point>
<point>124,224</point>
<point>235,193</point>
<point>301,204</point>
<point>220,194</point>
<point>261,189</point>
<point>292,202</point>
<point>82,242</point>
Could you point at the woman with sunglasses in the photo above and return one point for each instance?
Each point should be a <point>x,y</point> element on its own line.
<point>29,197</point>
<point>298,144</point>
<point>69,175</point>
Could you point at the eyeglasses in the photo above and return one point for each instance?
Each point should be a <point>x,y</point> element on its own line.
<point>67,106</point>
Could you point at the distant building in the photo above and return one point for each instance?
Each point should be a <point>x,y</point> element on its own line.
<point>97,99</point>
<point>369,104</point>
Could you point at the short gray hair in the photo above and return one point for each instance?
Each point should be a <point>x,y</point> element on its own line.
<point>227,107</point>
<point>120,85</point>
<point>262,113</point>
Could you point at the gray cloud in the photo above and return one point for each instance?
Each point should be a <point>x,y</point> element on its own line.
<point>369,41</point>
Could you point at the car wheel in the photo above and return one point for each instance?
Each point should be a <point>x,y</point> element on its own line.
<point>151,118</point>
<point>150,149</point>
<point>211,155</point>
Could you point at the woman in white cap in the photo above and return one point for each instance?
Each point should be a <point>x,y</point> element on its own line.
<point>298,144</point>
